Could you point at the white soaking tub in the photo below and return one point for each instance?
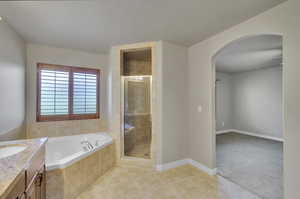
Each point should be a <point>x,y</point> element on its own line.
<point>61,152</point>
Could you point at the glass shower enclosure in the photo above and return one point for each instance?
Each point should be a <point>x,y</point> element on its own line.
<point>137,116</point>
<point>136,75</point>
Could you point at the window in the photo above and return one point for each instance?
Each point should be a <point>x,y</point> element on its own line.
<point>67,93</point>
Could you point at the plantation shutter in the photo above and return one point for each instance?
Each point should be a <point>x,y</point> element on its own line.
<point>66,93</point>
<point>54,92</point>
<point>85,93</point>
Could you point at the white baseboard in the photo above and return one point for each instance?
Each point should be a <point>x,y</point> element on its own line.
<point>171,165</point>
<point>251,134</point>
<point>259,135</point>
<point>224,131</point>
<point>203,167</point>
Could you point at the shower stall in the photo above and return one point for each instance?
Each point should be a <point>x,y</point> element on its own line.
<point>136,103</point>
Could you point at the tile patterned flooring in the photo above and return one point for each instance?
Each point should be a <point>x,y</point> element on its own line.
<point>185,182</point>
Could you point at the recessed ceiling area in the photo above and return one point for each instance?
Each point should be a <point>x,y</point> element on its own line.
<point>246,54</point>
<point>97,25</point>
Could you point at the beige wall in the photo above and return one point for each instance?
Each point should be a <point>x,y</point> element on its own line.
<point>257,101</point>
<point>174,102</point>
<point>250,101</point>
<point>69,57</point>
<point>12,83</point>
<point>283,19</point>
<point>224,103</point>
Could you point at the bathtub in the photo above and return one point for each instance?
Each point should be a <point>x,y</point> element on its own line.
<point>72,167</point>
<point>61,152</point>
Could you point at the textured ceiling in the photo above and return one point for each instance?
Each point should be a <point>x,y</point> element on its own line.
<point>262,51</point>
<point>97,25</point>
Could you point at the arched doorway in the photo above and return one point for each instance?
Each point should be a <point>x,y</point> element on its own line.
<point>248,113</point>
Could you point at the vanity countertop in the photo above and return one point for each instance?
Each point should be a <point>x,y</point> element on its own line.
<point>13,166</point>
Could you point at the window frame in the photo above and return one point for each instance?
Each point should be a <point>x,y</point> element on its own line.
<point>70,115</point>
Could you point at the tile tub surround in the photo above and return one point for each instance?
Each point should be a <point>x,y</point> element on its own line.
<point>185,182</point>
<point>14,165</point>
<point>69,182</point>
<point>65,128</point>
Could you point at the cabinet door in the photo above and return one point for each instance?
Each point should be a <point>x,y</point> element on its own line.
<point>40,185</point>
<point>36,189</point>
<point>43,184</point>
<point>31,192</point>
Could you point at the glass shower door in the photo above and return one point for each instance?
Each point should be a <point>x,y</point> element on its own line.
<point>137,116</point>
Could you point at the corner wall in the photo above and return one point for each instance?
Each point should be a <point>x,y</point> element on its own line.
<point>174,102</point>
<point>224,105</point>
<point>251,102</point>
<point>257,102</point>
<point>12,84</point>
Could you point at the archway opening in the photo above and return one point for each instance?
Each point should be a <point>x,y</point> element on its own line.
<point>249,114</point>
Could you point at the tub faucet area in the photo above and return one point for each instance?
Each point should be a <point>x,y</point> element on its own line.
<point>90,163</point>
<point>88,146</point>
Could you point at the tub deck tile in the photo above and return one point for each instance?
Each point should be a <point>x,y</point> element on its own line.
<point>71,181</point>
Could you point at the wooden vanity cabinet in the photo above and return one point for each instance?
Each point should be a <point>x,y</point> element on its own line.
<point>17,190</point>
<point>35,176</point>
<point>36,190</point>
<point>31,183</point>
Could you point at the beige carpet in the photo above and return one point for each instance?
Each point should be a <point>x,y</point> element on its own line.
<point>255,164</point>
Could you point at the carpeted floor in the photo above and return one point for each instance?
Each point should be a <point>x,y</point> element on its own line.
<point>255,164</point>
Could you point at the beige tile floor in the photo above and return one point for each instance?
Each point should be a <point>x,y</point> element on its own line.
<point>185,182</point>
